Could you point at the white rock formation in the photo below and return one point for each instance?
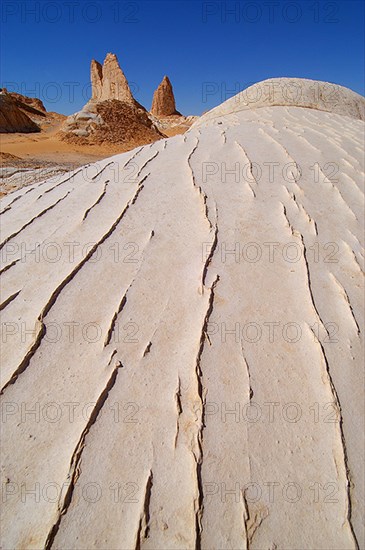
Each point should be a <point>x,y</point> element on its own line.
<point>84,122</point>
<point>186,322</point>
<point>290,92</point>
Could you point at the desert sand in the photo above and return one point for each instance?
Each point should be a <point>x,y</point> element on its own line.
<point>45,153</point>
<point>30,158</point>
<point>186,322</point>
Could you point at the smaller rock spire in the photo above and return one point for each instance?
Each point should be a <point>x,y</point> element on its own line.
<point>163,103</point>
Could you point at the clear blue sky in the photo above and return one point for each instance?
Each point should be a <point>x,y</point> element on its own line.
<point>220,47</point>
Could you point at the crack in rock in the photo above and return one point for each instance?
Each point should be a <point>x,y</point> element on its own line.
<point>75,463</point>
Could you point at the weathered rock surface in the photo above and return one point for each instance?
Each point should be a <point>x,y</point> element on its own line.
<point>163,103</point>
<point>30,102</point>
<point>13,118</point>
<point>96,76</point>
<point>109,82</point>
<point>84,122</point>
<point>173,124</point>
<point>16,173</point>
<point>18,109</point>
<point>292,92</point>
<point>194,363</point>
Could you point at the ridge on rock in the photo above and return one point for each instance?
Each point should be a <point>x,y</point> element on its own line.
<point>163,103</point>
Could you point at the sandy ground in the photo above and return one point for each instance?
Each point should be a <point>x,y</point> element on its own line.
<point>30,158</point>
<point>47,146</point>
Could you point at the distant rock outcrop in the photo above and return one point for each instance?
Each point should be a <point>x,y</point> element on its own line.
<point>32,104</point>
<point>13,118</point>
<point>163,103</point>
<point>113,115</point>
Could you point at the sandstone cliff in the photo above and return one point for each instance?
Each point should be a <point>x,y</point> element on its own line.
<point>12,117</point>
<point>29,103</point>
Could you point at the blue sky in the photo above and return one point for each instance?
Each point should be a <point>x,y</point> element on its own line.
<point>209,50</point>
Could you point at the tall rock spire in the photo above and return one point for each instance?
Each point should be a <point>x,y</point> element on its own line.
<point>163,103</point>
<point>108,81</point>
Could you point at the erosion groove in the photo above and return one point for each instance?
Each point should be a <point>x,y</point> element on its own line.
<point>4,269</point>
<point>98,200</point>
<point>42,213</point>
<point>199,505</point>
<point>9,300</point>
<point>310,284</point>
<point>42,330</point>
<point>16,199</point>
<point>98,174</point>
<point>343,442</point>
<point>143,528</point>
<point>74,470</point>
